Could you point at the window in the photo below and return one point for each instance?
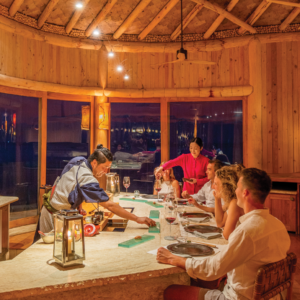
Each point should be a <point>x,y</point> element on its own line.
<point>19,153</point>
<point>219,124</point>
<point>68,134</point>
<point>135,143</point>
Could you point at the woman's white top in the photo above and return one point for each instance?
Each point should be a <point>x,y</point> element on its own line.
<point>166,187</point>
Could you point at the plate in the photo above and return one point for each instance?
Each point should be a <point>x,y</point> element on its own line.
<point>191,249</point>
<point>183,202</point>
<point>196,215</point>
<point>152,197</point>
<point>202,229</point>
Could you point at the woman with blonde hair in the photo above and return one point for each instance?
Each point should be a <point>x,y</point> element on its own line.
<point>168,180</point>
<point>225,184</point>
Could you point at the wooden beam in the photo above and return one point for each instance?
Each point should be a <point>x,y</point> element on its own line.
<point>186,21</point>
<point>290,18</point>
<point>15,7</point>
<point>285,3</point>
<point>158,18</point>
<point>255,15</point>
<point>219,20</point>
<point>165,129</point>
<point>227,91</point>
<point>76,16</point>
<point>46,13</point>
<point>133,15</point>
<point>226,14</point>
<point>100,17</point>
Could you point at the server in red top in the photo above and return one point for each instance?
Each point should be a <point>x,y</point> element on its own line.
<point>194,167</point>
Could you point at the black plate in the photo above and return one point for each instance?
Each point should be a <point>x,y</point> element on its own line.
<point>191,249</point>
<point>196,215</point>
<point>202,229</point>
<point>152,197</point>
<point>183,202</point>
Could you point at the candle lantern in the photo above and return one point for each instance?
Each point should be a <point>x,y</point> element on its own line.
<point>111,183</point>
<point>68,247</point>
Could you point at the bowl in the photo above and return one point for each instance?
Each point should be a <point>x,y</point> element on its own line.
<point>48,238</point>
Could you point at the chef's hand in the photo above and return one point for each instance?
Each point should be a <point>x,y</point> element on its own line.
<point>192,201</point>
<point>82,211</point>
<point>145,220</point>
<point>164,256</point>
<point>185,194</point>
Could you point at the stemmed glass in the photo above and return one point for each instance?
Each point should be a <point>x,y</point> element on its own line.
<point>157,187</point>
<point>170,216</point>
<point>126,183</point>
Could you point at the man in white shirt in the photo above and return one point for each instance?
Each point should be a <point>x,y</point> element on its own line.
<point>206,193</point>
<point>258,239</point>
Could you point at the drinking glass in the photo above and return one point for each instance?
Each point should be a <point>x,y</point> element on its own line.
<point>157,187</point>
<point>170,215</point>
<point>126,183</point>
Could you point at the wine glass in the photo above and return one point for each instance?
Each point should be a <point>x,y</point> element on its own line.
<point>170,216</point>
<point>157,187</point>
<point>126,183</point>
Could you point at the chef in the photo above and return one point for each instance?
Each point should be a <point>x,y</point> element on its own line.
<point>78,183</point>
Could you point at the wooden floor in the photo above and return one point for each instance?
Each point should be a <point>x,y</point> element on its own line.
<point>21,242</point>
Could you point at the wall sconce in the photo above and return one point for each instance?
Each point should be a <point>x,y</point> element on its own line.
<point>85,117</point>
<point>104,116</point>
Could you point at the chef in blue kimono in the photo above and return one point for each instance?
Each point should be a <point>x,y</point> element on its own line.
<point>78,183</point>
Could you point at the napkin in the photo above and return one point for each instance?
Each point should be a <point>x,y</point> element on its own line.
<point>208,236</point>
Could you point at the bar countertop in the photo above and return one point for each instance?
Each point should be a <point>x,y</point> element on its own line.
<point>33,273</point>
<point>5,200</point>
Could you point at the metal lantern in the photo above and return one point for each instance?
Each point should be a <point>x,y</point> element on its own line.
<point>68,247</point>
<point>111,183</point>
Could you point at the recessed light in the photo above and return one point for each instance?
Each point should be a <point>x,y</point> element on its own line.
<point>119,68</point>
<point>126,77</point>
<point>222,113</point>
<point>111,54</point>
<point>215,114</point>
<point>96,32</point>
<point>79,5</point>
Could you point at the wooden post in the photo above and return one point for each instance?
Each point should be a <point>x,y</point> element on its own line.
<point>165,129</point>
<point>42,159</point>
<point>101,135</point>
<point>254,125</point>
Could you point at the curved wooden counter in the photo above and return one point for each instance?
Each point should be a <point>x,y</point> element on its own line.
<point>109,272</point>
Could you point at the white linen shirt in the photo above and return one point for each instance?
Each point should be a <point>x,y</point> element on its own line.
<point>258,240</point>
<point>205,194</point>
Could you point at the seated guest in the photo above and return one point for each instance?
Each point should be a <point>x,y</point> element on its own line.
<point>206,193</point>
<point>259,239</point>
<point>168,181</point>
<point>225,183</point>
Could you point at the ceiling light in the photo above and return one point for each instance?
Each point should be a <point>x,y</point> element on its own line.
<point>222,113</point>
<point>111,54</point>
<point>215,114</point>
<point>119,68</point>
<point>79,5</point>
<point>126,77</point>
<point>96,32</point>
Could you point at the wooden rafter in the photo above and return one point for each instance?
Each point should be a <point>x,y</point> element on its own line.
<point>219,20</point>
<point>100,17</point>
<point>15,7</point>
<point>134,14</point>
<point>262,7</point>
<point>158,18</point>
<point>285,3</point>
<point>226,14</point>
<point>46,13</point>
<point>295,12</point>
<point>76,16</point>
<point>186,20</point>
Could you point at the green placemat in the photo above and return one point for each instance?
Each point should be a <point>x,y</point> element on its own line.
<point>154,214</point>
<point>133,200</point>
<point>155,229</point>
<point>154,204</point>
<point>134,242</point>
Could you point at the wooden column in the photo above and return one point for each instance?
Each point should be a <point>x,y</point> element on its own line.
<point>42,159</point>
<point>165,129</point>
<point>101,135</point>
<point>254,114</point>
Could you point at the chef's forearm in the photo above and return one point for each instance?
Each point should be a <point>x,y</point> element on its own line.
<point>119,211</point>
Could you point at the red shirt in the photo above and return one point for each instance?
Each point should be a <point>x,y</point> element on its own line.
<point>192,168</point>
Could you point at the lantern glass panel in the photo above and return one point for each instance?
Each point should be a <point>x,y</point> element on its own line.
<point>58,242</point>
<point>74,245</point>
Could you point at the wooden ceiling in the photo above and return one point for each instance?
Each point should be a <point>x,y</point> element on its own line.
<point>117,19</point>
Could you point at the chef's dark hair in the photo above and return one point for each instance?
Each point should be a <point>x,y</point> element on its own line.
<point>198,141</point>
<point>101,154</point>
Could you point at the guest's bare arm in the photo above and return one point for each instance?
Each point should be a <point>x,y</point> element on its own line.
<point>166,257</point>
